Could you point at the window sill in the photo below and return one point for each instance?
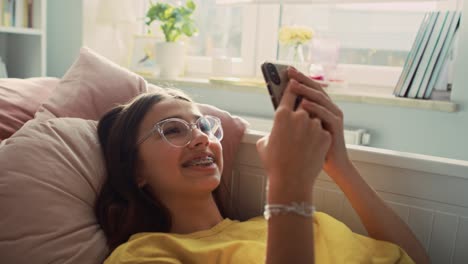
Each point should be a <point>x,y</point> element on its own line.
<point>356,94</point>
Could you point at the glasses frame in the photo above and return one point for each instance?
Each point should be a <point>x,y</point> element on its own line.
<point>191,126</point>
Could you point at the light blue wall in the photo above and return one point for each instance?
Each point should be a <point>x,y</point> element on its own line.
<point>64,34</point>
<point>403,129</point>
<point>412,130</point>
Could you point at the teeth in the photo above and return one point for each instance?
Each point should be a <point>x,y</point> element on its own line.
<point>201,161</point>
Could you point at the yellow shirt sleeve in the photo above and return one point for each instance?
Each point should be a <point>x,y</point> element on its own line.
<point>245,242</point>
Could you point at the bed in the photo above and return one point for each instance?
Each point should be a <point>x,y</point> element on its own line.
<point>51,170</point>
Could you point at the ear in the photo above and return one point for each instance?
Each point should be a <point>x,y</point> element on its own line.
<point>141,180</point>
<point>141,175</point>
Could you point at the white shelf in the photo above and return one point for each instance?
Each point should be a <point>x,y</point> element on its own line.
<point>20,30</point>
<point>355,94</point>
<point>22,49</point>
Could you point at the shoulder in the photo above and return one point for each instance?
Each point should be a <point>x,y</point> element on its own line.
<point>336,240</point>
<point>139,246</point>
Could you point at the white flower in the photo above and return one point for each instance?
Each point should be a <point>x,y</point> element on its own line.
<point>294,35</point>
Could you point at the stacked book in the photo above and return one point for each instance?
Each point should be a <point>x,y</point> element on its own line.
<point>429,55</point>
<point>16,13</point>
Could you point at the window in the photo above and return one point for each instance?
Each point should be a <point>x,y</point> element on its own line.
<point>369,35</point>
<point>223,31</point>
<point>220,30</point>
<point>374,38</point>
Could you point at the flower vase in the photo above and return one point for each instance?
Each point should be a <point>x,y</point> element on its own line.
<point>297,57</point>
<point>298,54</point>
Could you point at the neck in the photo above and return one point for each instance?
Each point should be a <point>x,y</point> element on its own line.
<point>194,214</point>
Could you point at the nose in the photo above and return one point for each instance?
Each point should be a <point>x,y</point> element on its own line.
<point>198,137</point>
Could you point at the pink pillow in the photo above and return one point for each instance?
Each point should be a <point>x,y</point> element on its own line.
<point>52,168</point>
<point>19,101</point>
<point>91,87</point>
<point>51,174</point>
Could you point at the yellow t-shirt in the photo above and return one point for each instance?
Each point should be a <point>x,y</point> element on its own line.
<point>245,242</point>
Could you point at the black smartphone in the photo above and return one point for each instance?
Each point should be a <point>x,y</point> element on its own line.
<point>276,78</point>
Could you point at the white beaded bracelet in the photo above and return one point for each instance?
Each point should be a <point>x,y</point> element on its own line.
<point>302,209</point>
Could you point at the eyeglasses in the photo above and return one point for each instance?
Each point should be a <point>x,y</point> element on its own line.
<point>178,132</point>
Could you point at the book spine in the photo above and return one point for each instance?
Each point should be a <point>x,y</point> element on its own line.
<point>417,58</point>
<point>1,12</point>
<point>429,52</point>
<point>19,9</point>
<point>436,55</point>
<point>30,13</point>
<point>443,56</point>
<point>13,13</point>
<point>410,57</point>
<point>7,6</point>
<point>25,13</point>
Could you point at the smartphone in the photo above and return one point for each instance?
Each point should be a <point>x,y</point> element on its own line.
<point>276,78</point>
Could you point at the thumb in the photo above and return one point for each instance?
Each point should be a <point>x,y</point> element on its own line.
<point>261,146</point>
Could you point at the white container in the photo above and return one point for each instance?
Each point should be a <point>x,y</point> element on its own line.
<point>170,57</point>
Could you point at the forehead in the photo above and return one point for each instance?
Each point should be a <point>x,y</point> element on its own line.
<point>170,107</point>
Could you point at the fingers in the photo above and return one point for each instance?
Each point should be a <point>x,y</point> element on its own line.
<point>316,96</point>
<point>329,120</point>
<point>261,143</point>
<point>320,133</point>
<point>289,98</point>
<point>261,146</point>
<point>312,91</point>
<point>300,77</point>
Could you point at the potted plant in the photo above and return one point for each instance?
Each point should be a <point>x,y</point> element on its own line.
<point>175,22</point>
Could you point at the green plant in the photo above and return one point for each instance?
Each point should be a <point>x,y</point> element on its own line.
<point>175,20</point>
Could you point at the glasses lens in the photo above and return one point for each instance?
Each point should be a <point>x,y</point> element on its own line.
<point>205,125</point>
<point>211,126</point>
<point>176,132</point>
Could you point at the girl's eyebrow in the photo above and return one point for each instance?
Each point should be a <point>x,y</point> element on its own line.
<point>194,117</point>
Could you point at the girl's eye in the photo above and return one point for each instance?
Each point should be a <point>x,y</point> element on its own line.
<point>174,129</point>
<point>205,126</point>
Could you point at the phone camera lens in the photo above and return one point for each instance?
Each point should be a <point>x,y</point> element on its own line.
<point>275,79</point>
<point>270,67</point>
<point>273,74</point>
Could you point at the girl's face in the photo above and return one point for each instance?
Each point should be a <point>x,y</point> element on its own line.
<point>175,172</point>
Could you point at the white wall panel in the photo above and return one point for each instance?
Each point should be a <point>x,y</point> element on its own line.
<point>433,203</point>
<point>461,243</point>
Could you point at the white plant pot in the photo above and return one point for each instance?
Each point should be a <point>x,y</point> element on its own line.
<point>170,56</point>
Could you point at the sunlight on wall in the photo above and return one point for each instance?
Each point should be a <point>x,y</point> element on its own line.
<point>109,30</point>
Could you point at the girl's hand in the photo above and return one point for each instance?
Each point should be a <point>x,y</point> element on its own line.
<point>318,104</point>
<point>294,153</point>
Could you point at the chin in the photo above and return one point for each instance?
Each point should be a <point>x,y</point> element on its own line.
<point>206,181</point>
<point>214,179</point>
<point>205,186</point>
<point>214,184</point>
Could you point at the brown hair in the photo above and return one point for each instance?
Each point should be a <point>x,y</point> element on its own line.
<point>122,208</point>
